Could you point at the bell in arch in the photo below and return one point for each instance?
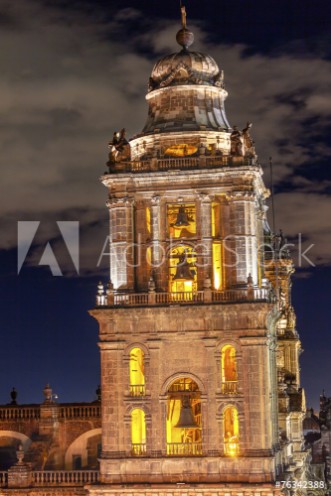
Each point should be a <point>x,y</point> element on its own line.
<point>182,217</point>
<point>186,416</point>
<point>183,269</point>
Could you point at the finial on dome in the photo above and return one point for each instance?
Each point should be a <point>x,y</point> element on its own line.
<point>184,37</point>
<point>183,12</point>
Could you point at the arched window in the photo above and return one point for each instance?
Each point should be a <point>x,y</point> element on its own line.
<point>137,372</point>
<point>138,432</point>
<point>184,418</point>
<point>229,370</point>
<point>231,431</point>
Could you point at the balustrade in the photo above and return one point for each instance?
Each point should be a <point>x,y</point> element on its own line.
<point>137,390</point>
<point>19,413</point>
<point>138,449</point>
<point>79,411</point>
<point>183,163</point>
<point>3,479</point>
<point>230,387</point>
<point>187,449</point>
<point>65,477</point>
<point>228,295</point>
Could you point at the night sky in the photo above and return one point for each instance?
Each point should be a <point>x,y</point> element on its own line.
<point>72,73</point>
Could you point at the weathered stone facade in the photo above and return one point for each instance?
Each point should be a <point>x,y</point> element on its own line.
<point>199,351</point>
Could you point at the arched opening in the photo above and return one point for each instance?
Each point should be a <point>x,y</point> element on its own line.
<point>183,423</point>
<point>231,431</point>
<point>182,272</point>
<point>82,453</point>
<point>229,370</point>
<point>138,432</point>
<point>137,372</point>
<point>9,443</point>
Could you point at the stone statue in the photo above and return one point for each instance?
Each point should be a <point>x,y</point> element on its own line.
<point>248,141</point>
<point>236,142</point>
<point>119,147</point>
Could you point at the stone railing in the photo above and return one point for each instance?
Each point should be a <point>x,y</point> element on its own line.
<point>138,449</point>
<point>41,478</point>
<point>3,479</point>
<point>230,387</point>
<point>79,411</point>
<point>207,296</point>
<point>180,163</point>
<point>187,449</point>
<point>64,477</point>
<point>137,390</point>
<point>19,412</point>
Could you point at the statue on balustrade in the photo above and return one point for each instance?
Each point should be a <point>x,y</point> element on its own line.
<point>119,148</point>
<point>237,143</point>
<point>248,141</point>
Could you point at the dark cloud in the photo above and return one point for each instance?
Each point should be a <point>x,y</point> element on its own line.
<point>68,82</point>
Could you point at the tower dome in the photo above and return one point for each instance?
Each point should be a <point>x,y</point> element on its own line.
<point>185,67</point>
<point>186,91</point>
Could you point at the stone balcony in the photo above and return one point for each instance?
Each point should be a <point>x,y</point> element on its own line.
<point>180,163</point>
<point>238,295</point>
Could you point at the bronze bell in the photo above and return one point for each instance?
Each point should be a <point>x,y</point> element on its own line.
<point>183,269</point>
<point>184,272</point>
<point>182,217</point>
<point>186,416</point>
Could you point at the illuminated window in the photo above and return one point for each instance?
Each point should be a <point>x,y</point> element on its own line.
<point>182,270</point>
<point>138,432</point>
<point>181,150</point>
<point>231,431</point>
<point>148,220</point>
<point>215,219</point>
<point>181,220</point>
<point>229,370</point>
<point>217,266</point>
<point>137,373</point>
<point>184,418</point>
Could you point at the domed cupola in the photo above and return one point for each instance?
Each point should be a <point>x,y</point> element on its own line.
<point>186,91</point>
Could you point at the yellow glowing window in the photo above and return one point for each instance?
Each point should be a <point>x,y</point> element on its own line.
<point>148,220</point>
<point>181,150</point>
<point>181,220</point>
<point>138,431</point>
<point>229,364</point>
<point>137,373</point>
<point>149,256</point>
<point>231,431</point>
<point>215,219</point>
<point>217,266</point>
<point>182,270</point>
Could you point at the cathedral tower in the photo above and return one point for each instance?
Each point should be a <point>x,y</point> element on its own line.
<point>193,374</point>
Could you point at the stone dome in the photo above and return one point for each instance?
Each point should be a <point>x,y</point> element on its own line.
<point>185,67</point>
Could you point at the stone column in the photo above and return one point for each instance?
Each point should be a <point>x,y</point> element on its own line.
<point>243,239</point>
<point>204,249</point>
<point>158,254</point>
<point>121,214</point>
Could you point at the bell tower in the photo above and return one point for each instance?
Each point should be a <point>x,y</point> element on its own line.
<point>189,321</point>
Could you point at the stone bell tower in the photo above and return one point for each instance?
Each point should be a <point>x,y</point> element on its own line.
<point>189,321</point>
